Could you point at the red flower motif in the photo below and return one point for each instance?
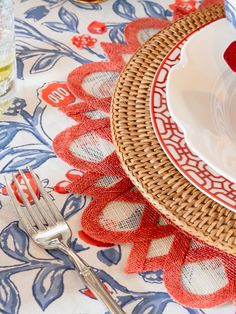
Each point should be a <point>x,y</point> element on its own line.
<point>187,6</point>
<point>182,7</point>
<point>97,27</point>
<point>83,41</point>
<point>25,190</point>
<point>89,293</point>
<point>56,94</point>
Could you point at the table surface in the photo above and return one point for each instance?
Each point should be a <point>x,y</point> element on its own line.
<point>31,279</point>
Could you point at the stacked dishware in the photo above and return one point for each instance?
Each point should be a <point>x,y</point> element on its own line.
<point>176,142</point>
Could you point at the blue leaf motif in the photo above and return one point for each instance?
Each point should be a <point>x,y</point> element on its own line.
<point>24,49</point>
<point>57,50</point>
<point>154,9</point>
<point>72,205</point>
<point>22,158</point>
<point>150,304</point>
<point>14,242</point>
<point>153,276</point>
<point>86,6</point>
<point>69,19</point>
<point>36,13</point>
<point>15,108</point>
<point>45,57</point>
<point>77,247</point>
<point>168,13</point>
<point>48,286</point>
<point>51,1</point>
<point>116,34</point>
<point>7,132</point>
<point>110,256</point>
<point>25,30</point>
<point>45,63</point>
<point>57,26</point>
<point>56,254</point>
<point>124,9</point>
<point>9,297</point>
<point>20,68</point>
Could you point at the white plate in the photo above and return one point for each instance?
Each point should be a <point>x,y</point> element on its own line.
<point>172,138</point>
<point>201,96</point>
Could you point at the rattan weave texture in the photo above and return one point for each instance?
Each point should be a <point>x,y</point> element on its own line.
<point>141,154</point>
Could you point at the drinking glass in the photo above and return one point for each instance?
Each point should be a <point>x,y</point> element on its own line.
<point>7,54</point>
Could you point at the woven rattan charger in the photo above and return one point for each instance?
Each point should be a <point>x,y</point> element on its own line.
<point>141,154</point>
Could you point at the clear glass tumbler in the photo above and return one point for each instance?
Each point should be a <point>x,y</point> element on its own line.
<point>7,53</point>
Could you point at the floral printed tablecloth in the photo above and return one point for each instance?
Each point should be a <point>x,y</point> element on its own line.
<point>53,38</point>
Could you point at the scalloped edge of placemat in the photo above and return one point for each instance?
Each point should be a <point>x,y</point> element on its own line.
<point>140,153</point>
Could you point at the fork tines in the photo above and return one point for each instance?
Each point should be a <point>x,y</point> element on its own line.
<point>40,211</point>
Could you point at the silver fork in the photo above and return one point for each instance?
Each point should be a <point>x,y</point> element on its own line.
<point>46,226</point>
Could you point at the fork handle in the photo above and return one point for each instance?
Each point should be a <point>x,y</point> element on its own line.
<point>93,282</point>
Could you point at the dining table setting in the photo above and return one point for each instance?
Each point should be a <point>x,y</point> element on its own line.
<point>117,156</point>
